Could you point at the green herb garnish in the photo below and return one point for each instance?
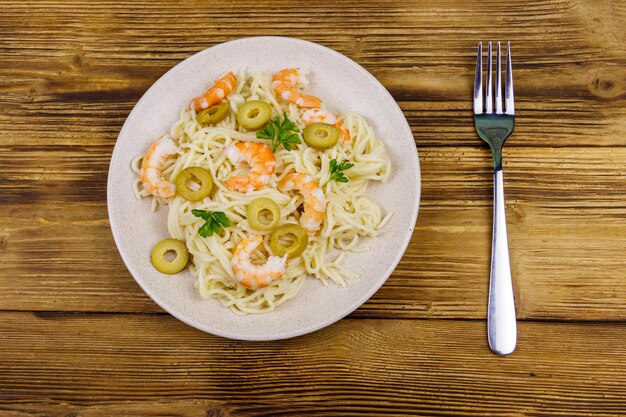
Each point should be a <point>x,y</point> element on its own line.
<point>215,221</point>
<point>336,171</point>
<point>280,133</point>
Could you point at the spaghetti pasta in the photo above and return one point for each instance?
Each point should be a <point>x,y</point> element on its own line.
<point>349,216</point>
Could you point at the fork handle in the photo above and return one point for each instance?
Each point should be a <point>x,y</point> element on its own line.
<point>502,328</point>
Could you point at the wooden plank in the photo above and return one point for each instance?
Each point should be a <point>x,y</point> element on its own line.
<point>570,77</point>
<point>444,273</point>
<point>567,229</point>
<point>456,176</point>
<point>93,364</point>
<point>181,408</point>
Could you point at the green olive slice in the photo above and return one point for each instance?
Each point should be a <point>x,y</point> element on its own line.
<point>295,233</point>
<point>254,114</point>
<point>213,114</point>
<point>177,249</point>
<point>256,211</point>
<point>320,135</point>
<point>184,183</point>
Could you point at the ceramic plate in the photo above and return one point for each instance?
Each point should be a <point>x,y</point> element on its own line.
<point>344,85</point>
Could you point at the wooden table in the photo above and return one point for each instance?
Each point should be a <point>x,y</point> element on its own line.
<point>78,337</point>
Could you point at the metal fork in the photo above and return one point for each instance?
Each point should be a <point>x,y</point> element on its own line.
<point>495,128</point>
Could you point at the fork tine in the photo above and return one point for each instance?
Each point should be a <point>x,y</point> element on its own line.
<point>489,94</point>
<point>498,93</point>
<point>508,93</point>
<point>478,81</point>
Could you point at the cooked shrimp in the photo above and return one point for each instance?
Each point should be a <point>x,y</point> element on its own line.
<point>324,116</point>
<point>255,276</point>
<point>215,94</point>
<point>261,160</point>
<point>286,85</point>
<point>151,173</point>
<point>314,199</point>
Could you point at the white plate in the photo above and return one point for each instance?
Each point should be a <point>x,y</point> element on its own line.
<point>344,85</point>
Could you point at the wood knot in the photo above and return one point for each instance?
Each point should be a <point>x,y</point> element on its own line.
<point>516,211</point>
<point>215,411</point>
<point>3,241</point>
<point>606,85</point>
<point>79,60</point>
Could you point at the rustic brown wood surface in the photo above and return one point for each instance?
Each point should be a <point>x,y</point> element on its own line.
<point>79,337</point>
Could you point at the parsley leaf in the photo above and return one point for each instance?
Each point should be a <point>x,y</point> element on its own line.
<point>336,171</point>
<point>283,132</point>
<point>215,221</point>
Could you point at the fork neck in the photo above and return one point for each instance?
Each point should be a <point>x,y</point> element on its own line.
<point>497,158</point>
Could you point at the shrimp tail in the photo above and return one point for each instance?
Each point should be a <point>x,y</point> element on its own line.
<point>314,199</point>
<point>262,164</point>
<point>287,84</point>
<point>220,90</point>
<point>151,173</point>
<point>255,276</point>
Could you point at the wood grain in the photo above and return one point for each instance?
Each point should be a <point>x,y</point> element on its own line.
<point>384,367</point>
<point>71,72</point>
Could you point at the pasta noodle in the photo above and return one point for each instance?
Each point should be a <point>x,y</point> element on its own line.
<point>349,216</point>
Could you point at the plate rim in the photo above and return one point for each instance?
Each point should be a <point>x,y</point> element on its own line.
<point>304,329</point>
